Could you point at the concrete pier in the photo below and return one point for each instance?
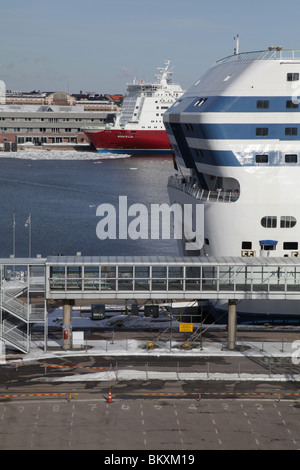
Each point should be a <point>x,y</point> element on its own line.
<point>232,324</point>
<point>67,324</point>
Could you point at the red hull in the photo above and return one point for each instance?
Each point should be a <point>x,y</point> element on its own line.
<point>127,141</point>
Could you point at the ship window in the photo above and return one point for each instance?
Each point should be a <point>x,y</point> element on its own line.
<point>291,158</point>
<point>198,153</point>
<point>246,245</point>
<point>200,102</point>
<point>292,77</point>
<point>290,245</point>
<point>287,221</point>
<point>262,158</point>
<point>262,104</point>
<point>189,127</point>
<point>292,104</point>
<point>269,221</point>
<point>262,131</point>
<point>291,131</point>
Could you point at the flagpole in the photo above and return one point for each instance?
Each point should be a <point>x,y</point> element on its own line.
<point>14,235</point>
<point>29,241</point>
<point>28,224</point>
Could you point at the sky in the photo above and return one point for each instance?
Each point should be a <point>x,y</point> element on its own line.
<point>101,45</point>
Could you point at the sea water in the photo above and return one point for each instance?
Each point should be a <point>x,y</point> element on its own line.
<point>61,190</point>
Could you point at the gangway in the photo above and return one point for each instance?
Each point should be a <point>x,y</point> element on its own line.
<point>94,279</point>
<point>167,278</point>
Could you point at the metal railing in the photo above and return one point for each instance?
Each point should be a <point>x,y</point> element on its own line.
<point>190,187</point>
<point>15,306</point>
<point>13,335</point>
<point>271,54</point>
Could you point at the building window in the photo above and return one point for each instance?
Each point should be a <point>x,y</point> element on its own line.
<point>290,245</point>
<point>287,221</point>
<point>262,158</point>
<point>292,77</point>
<point>291,158</point>
<point>262,131</point>
<point>269,221</point>
<point>262,104</point>
<point>292,104</point>
<point>291,131</point>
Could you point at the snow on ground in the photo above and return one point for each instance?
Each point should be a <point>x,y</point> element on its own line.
<point>34,154</point>
<point>114,347</point>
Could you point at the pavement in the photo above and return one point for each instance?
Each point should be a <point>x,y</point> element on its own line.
<point>250,361</point>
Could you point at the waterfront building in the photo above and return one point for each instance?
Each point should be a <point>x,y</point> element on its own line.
<point>51,118</point>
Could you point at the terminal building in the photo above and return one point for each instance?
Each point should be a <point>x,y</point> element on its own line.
<point>51,118</point>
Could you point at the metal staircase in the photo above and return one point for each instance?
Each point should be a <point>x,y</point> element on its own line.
<point>17,306</point>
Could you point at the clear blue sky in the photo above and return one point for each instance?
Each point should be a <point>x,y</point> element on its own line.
<point>100,45</point>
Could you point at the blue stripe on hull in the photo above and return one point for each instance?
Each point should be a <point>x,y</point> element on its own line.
<point>241,131</point>
<point>221,317</point>
<point>233,104</point>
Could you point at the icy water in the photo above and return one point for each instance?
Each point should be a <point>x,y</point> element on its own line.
<point>62,190</point>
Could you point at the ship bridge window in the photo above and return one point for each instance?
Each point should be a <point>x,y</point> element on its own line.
<point>198,153</point>
<point>291,131</point>
<point>269,221</point>
<point>262,131</point>
<point>287,221</point>
<point>291,158</point>
<point>292,77</point>
<point>292,104</point>
<point>262,104</point>
<point>262,158</point>
<point>176,103</point>
<point>189,127</point>
<point>200,101</point>
<point>290,245</point>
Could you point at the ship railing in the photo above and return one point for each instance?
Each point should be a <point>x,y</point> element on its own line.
<point>271,54</point>
<point>189,186</point>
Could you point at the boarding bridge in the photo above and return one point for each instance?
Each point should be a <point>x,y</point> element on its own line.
<point>172,278</point>
<point>92,279</point>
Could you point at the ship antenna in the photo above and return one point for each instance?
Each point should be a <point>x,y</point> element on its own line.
<point>163,72</point>
<point>237,46</point>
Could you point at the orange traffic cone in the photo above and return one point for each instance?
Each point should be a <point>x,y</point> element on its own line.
<point>109,397</point>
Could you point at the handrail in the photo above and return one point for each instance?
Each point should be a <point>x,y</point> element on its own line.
<point>271,54</point>
<point>189,186</point>
<point>15,306</point>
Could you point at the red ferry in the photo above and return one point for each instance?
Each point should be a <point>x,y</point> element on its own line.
<point>139,128</point>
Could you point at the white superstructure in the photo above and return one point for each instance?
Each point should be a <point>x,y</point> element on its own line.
<point>145,103</point>
<point>237,131</point>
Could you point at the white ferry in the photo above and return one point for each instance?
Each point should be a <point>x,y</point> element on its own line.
<point>236,138</point>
